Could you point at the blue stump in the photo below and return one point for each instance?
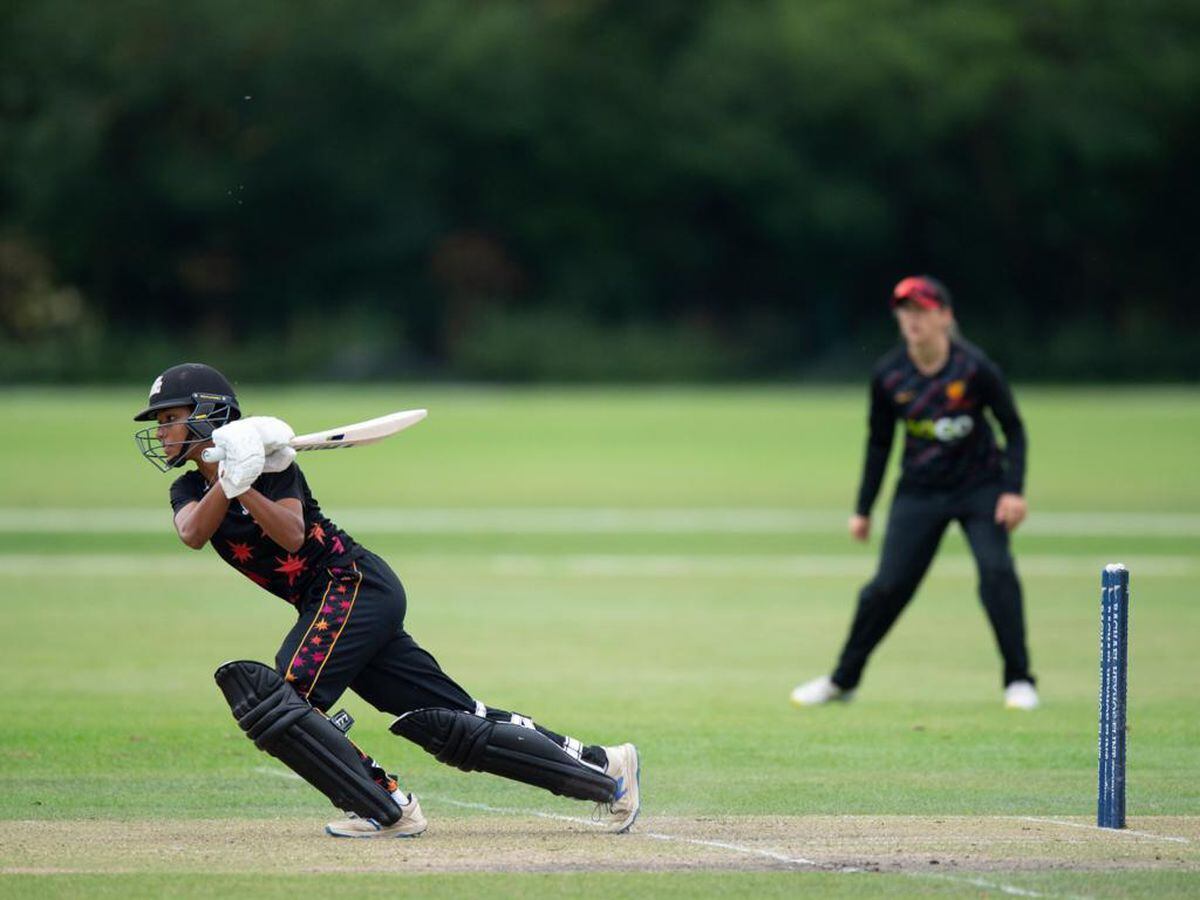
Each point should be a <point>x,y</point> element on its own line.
<point>1114,664</point>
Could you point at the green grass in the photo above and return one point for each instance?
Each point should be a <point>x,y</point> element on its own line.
<point>1102,449</point>
<point>116,715</point>
<point>617,886</point>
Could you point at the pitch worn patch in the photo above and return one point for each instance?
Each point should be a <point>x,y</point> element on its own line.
<point>948,844</point>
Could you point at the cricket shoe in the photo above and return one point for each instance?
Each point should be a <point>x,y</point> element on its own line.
<point>410,824</point>
<point>1021,695</point>
<point>625,768</point>
<point>818,691</point>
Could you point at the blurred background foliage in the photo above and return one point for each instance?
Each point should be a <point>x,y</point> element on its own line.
<point>593,189</point>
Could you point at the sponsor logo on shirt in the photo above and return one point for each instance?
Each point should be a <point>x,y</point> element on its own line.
<point>945,429</point>
<point>904,397</point>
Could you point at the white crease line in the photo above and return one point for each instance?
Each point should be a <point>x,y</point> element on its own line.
<point>653,835</point>
<point>483,807</point>
<point>798,861</point>
<point>592,520</point>
<point>1089,827</point>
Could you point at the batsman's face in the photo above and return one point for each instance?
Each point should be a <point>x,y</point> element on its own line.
<point>172,432</point>
<point>919,325</point>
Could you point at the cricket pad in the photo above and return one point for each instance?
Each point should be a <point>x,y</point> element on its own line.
<point>285,725</point>
<point>473,743</point>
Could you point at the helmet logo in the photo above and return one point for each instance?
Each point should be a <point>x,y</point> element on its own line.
<point>156,387</point>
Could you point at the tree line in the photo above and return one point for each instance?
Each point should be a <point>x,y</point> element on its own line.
<point>594,189</point>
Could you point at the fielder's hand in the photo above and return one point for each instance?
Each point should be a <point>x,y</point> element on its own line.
<point>1010,511</point>
<point>275,434</point>
<point>244,457</point>
<point>860,527</point>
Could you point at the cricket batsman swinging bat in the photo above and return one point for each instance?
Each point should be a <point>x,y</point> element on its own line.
<point>355,435</point>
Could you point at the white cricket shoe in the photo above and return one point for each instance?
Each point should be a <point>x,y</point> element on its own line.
<point>1021,695</point>
<point>410,824</point>
<point>818,691</point>
<point>622,811</point>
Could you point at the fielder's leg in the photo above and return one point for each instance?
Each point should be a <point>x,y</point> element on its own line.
<point>915,527</point>
<point>999,588</point>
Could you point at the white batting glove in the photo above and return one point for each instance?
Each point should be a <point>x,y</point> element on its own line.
<point>279,460</point>
<point>275,433</point>
<point>244,457</point>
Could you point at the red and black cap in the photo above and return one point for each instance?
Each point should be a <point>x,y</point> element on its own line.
<point>189,384</point>
<point>923,290</point>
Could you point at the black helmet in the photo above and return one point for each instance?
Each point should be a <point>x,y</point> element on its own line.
<point>201,387</point>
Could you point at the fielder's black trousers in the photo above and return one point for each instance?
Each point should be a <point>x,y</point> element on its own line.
<point>915,526</point>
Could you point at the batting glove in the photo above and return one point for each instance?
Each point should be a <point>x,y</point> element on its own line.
<point>275,433</point>
<point>244,457</point>
<point>280,459</point>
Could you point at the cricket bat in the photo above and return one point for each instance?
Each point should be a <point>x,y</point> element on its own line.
<point>355,435</point>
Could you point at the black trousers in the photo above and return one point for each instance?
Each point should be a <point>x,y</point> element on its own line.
<point>350,634</point>
<point>915,526</point>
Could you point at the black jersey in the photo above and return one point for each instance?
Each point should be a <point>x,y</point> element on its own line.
<point>948,442</point>
<point>242,543</point>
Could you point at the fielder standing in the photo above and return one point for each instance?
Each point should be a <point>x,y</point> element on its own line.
<point>257,512</point>
<point>938,387</point>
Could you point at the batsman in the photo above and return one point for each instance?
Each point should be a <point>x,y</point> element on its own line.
<point>255,509</point>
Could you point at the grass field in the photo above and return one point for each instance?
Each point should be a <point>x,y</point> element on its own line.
<point>658,566</point>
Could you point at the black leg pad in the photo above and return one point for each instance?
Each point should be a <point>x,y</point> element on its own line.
<point>283,724</point>
<point>472,743</point>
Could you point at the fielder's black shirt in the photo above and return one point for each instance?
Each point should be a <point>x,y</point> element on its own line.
<point>242,543</point>
<point>947,441</point>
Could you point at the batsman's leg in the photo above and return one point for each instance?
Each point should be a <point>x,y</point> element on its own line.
<point>282,723</point>
<point>512,746</point>
<point>439,716</point>
<point>341,627</point>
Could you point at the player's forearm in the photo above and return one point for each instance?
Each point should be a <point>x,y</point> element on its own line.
<point>872,477</point>
<point>1000,399</point>
<point>1014,457</point>
<point>198,522</point>
<point>881,431</point>
<point>282,525</point>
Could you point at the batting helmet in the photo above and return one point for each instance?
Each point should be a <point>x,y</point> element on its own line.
<point>202,388</point>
